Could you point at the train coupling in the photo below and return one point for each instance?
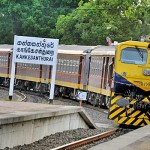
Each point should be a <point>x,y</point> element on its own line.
<point>142,106</point>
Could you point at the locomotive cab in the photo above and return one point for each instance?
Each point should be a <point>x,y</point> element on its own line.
<point>132,69</point>
<point>130,104</point>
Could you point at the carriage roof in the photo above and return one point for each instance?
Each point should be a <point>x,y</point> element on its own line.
<point>63,49</point>
<point>74,49</point>
<point>104,50</point>
<point>6,48</point>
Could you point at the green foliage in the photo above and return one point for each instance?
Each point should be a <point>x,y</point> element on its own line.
<point>92,22</point>
<point>32,17</point>
<point>86,22</point>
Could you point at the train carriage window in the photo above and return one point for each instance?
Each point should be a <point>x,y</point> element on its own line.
<point>6,58</point>
<point>94,62</point>
<point>77,66</point>
<point>67,66</point>
<point>64,65</point>
<point>61,65</point>
<point>96,66</point>
<point>3,60</point>
<point>31,66</point>
<point>22,65</point>
<point>58,65</point>
<point>34,66</point>
<point>73,66</point>
<point>37,66</point>
<point>70,65</point>
<point>92,67</point>
<point>134,55</point>
<point>101,65</point>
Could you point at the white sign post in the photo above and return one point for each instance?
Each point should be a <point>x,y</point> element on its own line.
<point>35,51</point>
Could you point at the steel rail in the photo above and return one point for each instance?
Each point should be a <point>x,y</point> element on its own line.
<point>23,96</point>
<point>69,101</point>
<point>86,140</point>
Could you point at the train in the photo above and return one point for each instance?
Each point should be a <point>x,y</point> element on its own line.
<point>83,73</point>
<point>113,77</point>
<point>130,102</point>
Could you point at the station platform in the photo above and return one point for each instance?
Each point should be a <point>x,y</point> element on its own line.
<point>23,123</point>
<point>138,139</point>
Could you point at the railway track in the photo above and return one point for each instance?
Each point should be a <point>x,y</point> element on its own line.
<point>86,105</point>
<point>86,140</point>
<point>24,98</point>
<point>66,100</point>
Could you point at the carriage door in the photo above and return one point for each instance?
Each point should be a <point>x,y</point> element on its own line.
<point>110,71</point>
<point>105,73</point>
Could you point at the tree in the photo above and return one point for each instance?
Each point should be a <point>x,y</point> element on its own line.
<point>93,21</point>
<point>86,22</point>
<point>32,17</point>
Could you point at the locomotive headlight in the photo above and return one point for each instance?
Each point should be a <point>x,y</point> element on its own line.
<point>146,72</point>
<point>124,74</point>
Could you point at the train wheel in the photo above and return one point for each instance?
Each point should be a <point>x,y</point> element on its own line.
<point>92,99</point>
<point>95,102</point>
<point>101,101</point>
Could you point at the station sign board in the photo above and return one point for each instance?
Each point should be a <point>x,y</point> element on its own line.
<point>34,50</point>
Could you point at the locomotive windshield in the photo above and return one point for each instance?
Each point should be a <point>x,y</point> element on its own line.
<point>134,55</point>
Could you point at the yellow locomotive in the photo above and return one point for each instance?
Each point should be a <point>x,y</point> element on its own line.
<point>131,91</point>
